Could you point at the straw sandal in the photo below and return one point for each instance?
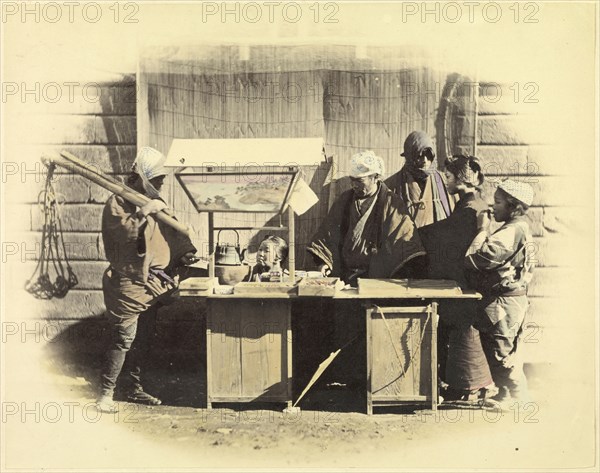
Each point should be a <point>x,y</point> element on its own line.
<point>141,397</point>
<point>106,405</point>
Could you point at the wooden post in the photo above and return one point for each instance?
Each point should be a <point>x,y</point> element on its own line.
<point>209,327</point>
<point>475,114</point>
<point>288,350</point>
<point>292,243</point>
<point>211,245</point>
<point>434,375</point>
<point>369,336</point>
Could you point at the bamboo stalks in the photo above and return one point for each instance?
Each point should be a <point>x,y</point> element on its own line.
<point>75,165</point>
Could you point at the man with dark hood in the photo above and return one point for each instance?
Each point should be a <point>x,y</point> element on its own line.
<point>420,184</point>
<point>368,232</point>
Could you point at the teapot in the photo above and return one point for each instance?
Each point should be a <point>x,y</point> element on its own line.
<point>229,255</point>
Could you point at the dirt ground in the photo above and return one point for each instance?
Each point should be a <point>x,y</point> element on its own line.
<point>330,431</point>
<point>50,422</point>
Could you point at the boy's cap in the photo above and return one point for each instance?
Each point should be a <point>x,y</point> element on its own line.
<point>519,190</point>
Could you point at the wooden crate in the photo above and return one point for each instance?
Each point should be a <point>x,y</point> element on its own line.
<point>249,352</point>
<point>401,355</point>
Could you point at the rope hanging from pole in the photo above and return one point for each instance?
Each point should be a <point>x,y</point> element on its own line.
<point>53,250</point>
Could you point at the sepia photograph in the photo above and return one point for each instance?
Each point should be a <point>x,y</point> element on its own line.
<point>299,236</point>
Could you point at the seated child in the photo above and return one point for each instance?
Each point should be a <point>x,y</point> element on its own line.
<point>500,267</point>
<point>272,253</point>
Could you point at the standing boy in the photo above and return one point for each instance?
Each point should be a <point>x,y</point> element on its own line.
<point>500,267</point>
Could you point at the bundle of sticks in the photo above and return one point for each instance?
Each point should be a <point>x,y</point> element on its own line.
<point>77,166</point>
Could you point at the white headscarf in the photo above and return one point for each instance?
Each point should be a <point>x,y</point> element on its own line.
<point>366,163</point>
<point>148,164</point>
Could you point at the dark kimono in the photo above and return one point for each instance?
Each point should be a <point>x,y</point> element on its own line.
<point>428,202</point>
<point>374,240</point>
<point>446,243</point>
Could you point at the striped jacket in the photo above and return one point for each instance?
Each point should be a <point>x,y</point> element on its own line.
<point>504,263</point>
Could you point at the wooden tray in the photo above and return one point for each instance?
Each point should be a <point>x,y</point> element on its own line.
<point>197,284</point>
<point>408,287</point>
<point>265,288</point>
<point>323,287</point>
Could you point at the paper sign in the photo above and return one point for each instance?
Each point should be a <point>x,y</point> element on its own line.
<point>302,198</point>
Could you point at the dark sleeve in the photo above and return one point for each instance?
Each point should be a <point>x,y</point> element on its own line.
<point>323,245</point>
<point>179,244</point>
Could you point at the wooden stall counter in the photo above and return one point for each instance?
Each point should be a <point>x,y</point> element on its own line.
<point>249,341</point>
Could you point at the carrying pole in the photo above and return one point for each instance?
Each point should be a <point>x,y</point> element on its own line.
<point>75,165</point>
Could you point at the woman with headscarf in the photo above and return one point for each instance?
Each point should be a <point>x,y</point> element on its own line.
<point>420,184</point>
<point>142,253</point>
<point>463,365</point>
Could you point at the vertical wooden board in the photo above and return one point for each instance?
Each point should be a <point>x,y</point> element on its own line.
<point>181,75</point>
<point>423,357</point>
<point>183,101</point>
<point>226,319</point>
<point>387,369</point>
<point>212,87</point>
<point>330,86</point>
<point>264,371</point>
<point>183,126</point>
<point>421,103</point>
<point>205,94</point>
<point>260,94</point>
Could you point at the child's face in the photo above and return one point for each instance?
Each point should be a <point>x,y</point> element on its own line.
<point>501,208</point>
<point>267,254</point>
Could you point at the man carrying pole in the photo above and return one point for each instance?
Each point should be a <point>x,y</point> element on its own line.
<point>142,250</point>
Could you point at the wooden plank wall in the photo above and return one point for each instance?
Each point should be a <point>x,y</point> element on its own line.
<point>352,103</point>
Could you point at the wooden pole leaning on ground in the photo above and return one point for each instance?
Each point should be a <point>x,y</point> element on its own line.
<point>75,165</point>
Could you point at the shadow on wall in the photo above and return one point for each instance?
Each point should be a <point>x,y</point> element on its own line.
<point>118,102</point>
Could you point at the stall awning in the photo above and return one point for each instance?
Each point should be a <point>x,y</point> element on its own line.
<point>245,152</point>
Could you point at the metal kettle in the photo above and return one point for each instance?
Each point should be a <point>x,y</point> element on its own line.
<point>229,255</point>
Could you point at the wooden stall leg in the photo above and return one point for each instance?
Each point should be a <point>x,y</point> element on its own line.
<point>208,357</point>
<point>434,373</point>
<point>289,354</point>
<point>369,344</point>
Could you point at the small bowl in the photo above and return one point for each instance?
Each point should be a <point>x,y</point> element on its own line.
<point>223,289</point>
<point>231,275</point>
